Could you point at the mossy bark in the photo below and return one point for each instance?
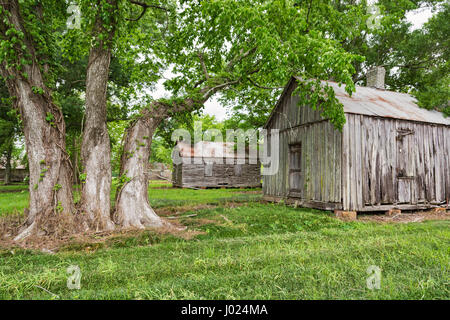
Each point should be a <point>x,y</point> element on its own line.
<point>51,203</point>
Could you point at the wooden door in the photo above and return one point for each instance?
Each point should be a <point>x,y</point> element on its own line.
<point>295,170</point>
<point>405,165</point>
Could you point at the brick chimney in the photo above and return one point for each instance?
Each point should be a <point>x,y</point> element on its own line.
<point>375,77</point>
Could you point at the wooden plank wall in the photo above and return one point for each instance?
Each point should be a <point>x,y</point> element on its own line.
<point>289,115</point>
<point>320,164</point>
<point>177,177</point>
<point>374,155</point>
<point>216,175</point>
<point>17,175</point>
<point>321,153</point>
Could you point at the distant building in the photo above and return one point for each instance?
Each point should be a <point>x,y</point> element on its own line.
<point>214,165</point>
<point>391,154</point>
<point>18,172</point>
<point>159,171</point>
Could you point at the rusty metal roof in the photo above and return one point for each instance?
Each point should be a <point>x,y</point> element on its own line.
<point>382,103</point>
<point>206,149</point>
<point>386,104</point>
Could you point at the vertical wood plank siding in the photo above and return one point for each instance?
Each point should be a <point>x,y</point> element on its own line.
<point>391,162</point>
<point>321,153</point>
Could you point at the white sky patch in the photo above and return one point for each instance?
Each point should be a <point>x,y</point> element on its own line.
<point>214,108</point>
<point>419,17</point>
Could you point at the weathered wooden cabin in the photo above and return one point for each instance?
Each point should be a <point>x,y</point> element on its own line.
<point>17,174</point>
<point>391,154</point>
<point>214,165</point>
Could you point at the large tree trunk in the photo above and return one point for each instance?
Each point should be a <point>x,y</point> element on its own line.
<point>8,164</point>
<point>75,162</point>
<point>95,148</point>
<point>51,204</point>
<point>132,206</point>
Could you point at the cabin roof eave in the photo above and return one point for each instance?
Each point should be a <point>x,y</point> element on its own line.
<point>376,103</point>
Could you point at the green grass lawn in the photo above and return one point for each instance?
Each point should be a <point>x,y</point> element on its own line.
<point>14,187</point>
<point>244,249</point>
<point>160,192</point>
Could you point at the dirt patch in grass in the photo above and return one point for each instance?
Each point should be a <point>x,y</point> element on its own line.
<point>169,212</point>
<point>406,217</point>
<point>125,238</point>
<point>195,223</point>
<point>88,241</point>
<point>10,224</point>
<point>187,216</point>
<point>92,241</point>
<point>176,211</point>
<point>184,219</point>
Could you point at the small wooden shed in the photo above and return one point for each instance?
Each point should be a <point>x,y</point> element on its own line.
<point>391,154</point>
<point>214,165</point>
<point>18,172</point>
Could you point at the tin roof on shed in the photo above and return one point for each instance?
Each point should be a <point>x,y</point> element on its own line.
<point>206,149</point>
<point>382,103</point>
